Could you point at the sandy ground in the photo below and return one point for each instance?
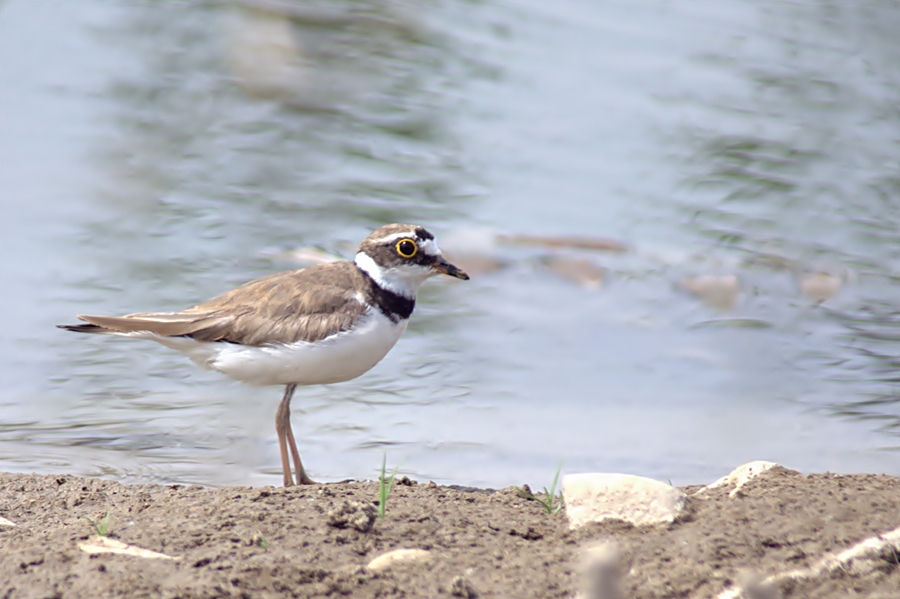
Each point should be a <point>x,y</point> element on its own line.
<point>316,541</point>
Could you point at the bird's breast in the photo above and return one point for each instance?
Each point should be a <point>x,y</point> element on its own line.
<point>337,358</point>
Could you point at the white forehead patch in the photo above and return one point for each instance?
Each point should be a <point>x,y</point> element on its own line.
<point>427,246</point>
<point>430,247</point>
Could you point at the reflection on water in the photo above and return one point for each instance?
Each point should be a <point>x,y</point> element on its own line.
<point>684,221</point>
<point>344,144</point>
<point>800,174</point>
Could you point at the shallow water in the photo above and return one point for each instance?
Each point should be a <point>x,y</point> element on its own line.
<point>152,156</point>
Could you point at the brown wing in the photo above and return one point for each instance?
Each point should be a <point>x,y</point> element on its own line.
<point>302,305</point>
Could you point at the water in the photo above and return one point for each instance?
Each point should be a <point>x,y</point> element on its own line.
<point>153,155</point>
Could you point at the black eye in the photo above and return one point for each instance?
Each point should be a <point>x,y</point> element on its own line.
<point>407,248</point>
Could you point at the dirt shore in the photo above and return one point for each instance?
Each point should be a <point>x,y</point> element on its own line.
<point>317,540</point>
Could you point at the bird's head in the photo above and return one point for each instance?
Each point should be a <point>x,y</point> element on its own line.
<point>401,257</point>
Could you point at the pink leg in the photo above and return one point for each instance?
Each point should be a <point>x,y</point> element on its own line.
<point>286,439</point>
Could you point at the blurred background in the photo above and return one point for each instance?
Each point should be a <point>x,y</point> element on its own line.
<point>682,221</point>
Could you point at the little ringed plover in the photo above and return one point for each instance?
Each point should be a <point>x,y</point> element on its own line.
<point>323,324</point>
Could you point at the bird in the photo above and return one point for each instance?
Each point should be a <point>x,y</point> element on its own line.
<point>323,324</point>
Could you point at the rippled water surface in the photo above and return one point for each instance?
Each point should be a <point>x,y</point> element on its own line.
<point>746,155</point>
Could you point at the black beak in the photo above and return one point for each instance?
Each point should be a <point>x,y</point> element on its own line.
<point>444,267</point>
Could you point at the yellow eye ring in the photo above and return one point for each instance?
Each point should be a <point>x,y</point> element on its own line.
<point>407,248</point>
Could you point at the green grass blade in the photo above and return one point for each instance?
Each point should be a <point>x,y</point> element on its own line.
<point>385,484</point>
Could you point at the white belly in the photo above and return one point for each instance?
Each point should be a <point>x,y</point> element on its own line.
<point>338,358</point>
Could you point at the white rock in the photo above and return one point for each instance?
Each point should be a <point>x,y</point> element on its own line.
<point>594,497</point>
<point>861,558</point>
<point>741,475</point>
<point>5,522</point>
<point>106,545</point>
<point>399,556</point>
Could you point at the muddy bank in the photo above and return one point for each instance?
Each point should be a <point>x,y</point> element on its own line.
<point>317,540</point>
